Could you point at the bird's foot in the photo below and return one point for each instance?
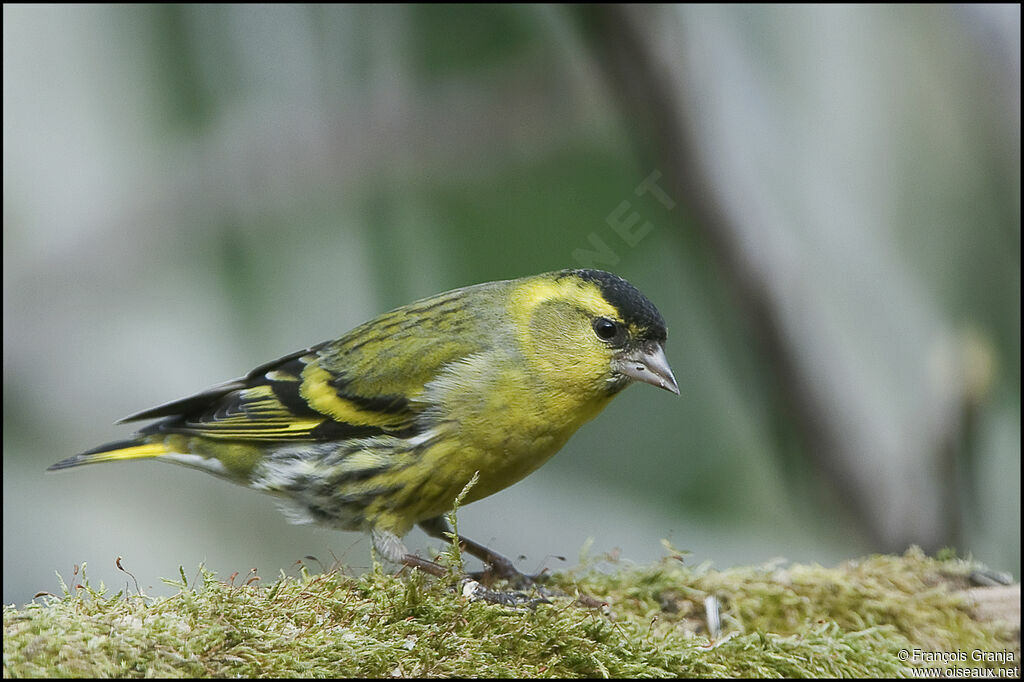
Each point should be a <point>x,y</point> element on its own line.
<point>499,568</point>
<point>472,589</point>
<point>519,582</point>
<point>476,586</point>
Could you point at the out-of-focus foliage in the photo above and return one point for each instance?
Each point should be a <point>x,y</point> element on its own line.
<point>192,190</point>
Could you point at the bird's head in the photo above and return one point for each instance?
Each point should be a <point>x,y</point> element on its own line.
<point>591,331</point>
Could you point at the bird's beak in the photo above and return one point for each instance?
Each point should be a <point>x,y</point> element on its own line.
<point>649,365</point>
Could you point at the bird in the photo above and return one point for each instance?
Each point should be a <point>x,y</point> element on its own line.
<point>381,429</point>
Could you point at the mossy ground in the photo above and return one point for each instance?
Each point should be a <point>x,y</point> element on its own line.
<point>794,621</point>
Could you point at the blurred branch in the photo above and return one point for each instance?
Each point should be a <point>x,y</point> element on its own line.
<point>647,77</point>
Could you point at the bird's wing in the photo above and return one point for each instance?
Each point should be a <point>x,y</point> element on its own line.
<point>361,385</point>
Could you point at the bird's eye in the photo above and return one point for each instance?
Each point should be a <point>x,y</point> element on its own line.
<point>605,329</point>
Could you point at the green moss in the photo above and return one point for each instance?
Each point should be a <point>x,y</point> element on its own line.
<point>777,622</point>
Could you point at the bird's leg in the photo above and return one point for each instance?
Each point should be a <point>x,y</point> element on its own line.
<point>497,565</point>
<point>501,567</point>
<point>471,587</point>
<point>393,549</point>
<point>425,565</point>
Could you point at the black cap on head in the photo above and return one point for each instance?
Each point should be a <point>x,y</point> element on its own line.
<point>634,307</point>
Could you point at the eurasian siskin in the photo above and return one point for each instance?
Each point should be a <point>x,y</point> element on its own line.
<point>382,428</point>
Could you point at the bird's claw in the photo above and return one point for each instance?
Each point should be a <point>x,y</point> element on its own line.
<point>472,589</point>
<point>504,570</point>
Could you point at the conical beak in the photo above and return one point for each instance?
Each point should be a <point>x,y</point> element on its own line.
<point>649,365</point>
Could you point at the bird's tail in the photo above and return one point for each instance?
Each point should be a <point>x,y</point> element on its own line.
<point>123,449</point>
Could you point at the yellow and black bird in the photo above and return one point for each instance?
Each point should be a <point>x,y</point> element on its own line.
<point>381,429</point>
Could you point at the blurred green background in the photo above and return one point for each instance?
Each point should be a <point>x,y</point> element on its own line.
<point>834,241</point>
